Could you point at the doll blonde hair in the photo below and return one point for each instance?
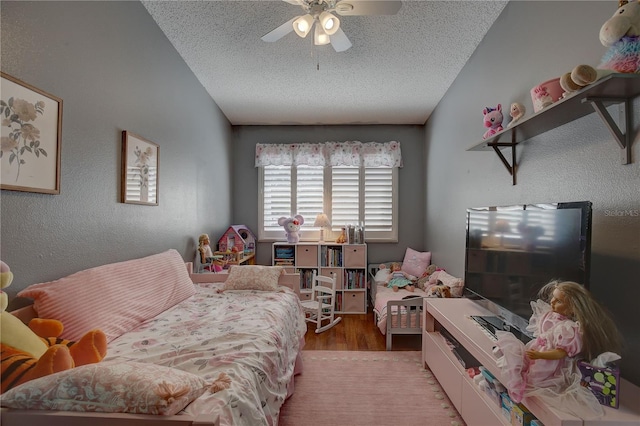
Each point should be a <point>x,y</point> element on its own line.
<point>201,239</point>
<point>599,332</point>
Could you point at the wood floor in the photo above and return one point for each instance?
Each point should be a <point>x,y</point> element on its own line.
<point>356,333</point>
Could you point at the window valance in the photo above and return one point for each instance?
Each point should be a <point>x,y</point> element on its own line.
<point>330,154</point>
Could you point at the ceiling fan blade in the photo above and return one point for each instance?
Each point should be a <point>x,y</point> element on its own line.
<point>340,41</point>
<point>367,7</point>
<point>279,32</point>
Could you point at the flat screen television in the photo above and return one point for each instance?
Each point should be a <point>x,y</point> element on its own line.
<point>512,251</point>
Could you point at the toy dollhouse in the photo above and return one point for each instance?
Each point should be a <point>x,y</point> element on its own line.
<point>237,244</point>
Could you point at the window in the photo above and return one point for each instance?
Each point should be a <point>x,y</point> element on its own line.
<point>349,195</point>
<point>352,182</point>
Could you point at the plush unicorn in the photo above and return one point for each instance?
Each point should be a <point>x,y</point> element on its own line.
<point>621,34</point>
<point>493,120</point>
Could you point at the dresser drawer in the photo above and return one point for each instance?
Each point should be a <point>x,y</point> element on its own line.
<point>355,256</point>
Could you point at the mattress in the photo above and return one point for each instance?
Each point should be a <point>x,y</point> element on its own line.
<point>252,336</point>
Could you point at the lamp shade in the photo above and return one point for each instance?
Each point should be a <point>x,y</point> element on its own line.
<point>302,25</point>
<point>320,38</point>
<point>502,225</point>
<point>322,221</point>
<point>329,22</point>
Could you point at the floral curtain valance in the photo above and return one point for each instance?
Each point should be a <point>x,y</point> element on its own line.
<point>353,153</point>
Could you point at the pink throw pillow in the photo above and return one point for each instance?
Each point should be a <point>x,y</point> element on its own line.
<point>114,298</point>
<point>415,262</point>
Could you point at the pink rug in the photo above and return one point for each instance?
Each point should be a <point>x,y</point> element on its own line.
<point>353,388</point>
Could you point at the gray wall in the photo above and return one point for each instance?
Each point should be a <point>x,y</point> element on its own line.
<point>114,70</point>
<point>530,43</point>
<point>411,177</point>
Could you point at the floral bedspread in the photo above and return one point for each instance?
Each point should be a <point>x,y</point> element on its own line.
<point>385,294</point>
<point>252,336</point>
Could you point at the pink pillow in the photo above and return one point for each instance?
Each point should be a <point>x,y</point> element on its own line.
<point>114,298</point>
<point>415,262</point>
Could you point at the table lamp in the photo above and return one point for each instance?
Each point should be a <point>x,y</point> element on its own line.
<point>322,221</point>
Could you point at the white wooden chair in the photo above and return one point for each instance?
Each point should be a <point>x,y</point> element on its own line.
<point>321,306</point>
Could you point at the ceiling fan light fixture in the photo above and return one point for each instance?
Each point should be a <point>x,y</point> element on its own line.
<point>330,24</point>
<point>320,38</point>
<point>302,25</point>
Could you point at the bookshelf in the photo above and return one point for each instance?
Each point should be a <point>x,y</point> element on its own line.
<point>348,262</point>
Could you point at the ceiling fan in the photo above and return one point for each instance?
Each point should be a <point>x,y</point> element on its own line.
<point>319,14</point>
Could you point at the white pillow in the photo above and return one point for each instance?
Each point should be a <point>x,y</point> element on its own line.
<point>253,277</point>
<point>109,387</point>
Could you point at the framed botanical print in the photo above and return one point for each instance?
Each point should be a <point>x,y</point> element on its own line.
<point>31,133</point>
<point>140,161</point>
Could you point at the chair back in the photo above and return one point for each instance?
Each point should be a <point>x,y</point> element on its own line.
<point>322,285</point>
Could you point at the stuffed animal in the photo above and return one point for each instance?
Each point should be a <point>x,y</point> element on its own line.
<point>26,356</point>
<point>382,275</point>
<point>516,112</point>
<point>493,120</point>
<point>621,34</point>
<point>292,227</point>
<point>439,290</point>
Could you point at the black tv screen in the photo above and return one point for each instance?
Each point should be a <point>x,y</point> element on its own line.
<point>512,251</point>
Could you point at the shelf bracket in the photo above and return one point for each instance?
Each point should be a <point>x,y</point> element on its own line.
<point>511,168</point>
<point>623,139</point>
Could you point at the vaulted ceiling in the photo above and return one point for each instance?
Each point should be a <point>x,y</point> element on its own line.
<point>396,72</point>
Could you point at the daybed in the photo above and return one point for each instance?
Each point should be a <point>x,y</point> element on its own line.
<point>235,346</point>
<point>400,313</point>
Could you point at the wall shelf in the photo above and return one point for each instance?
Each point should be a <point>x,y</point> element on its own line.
<point>613,89</point>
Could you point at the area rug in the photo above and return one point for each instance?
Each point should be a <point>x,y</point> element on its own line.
<point>353,388</point>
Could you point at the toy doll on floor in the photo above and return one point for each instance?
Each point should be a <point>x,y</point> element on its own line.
<point>399,279</point>
<point>567,324</point>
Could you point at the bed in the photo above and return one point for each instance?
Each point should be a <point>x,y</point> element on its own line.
<point>400,313</point>
<point>395,312</point>
<point>242,346</point>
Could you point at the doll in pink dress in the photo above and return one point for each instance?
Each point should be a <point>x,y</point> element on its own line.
<point>546,366</point>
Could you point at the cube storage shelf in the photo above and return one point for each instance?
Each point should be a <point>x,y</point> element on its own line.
<point>348,262</point>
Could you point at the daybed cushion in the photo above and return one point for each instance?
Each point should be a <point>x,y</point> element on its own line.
<point>110,387</point>
<point>115,297</point>
<point>253,277</point>
<point>415,262</point>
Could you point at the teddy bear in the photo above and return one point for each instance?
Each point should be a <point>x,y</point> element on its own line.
<point>439,290</point>
<point>621,34</point>
<point>26,356</point>
<point>493,120</point>
<point>292,227</point>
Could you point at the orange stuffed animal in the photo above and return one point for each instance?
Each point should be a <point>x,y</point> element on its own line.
<point>26,356</point>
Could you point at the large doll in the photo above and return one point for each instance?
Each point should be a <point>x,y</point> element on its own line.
<point>399,279</point>
<point>206,254</point>
<point>567,324</point>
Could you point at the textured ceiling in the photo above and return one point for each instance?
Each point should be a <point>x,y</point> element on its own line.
<point>397,71</point>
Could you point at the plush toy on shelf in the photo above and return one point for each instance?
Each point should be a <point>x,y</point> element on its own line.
<point>27,356</point>
<point>493,120</point>
<point>621,34</point>
<point>516,112</point>
<point>292,227</point>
